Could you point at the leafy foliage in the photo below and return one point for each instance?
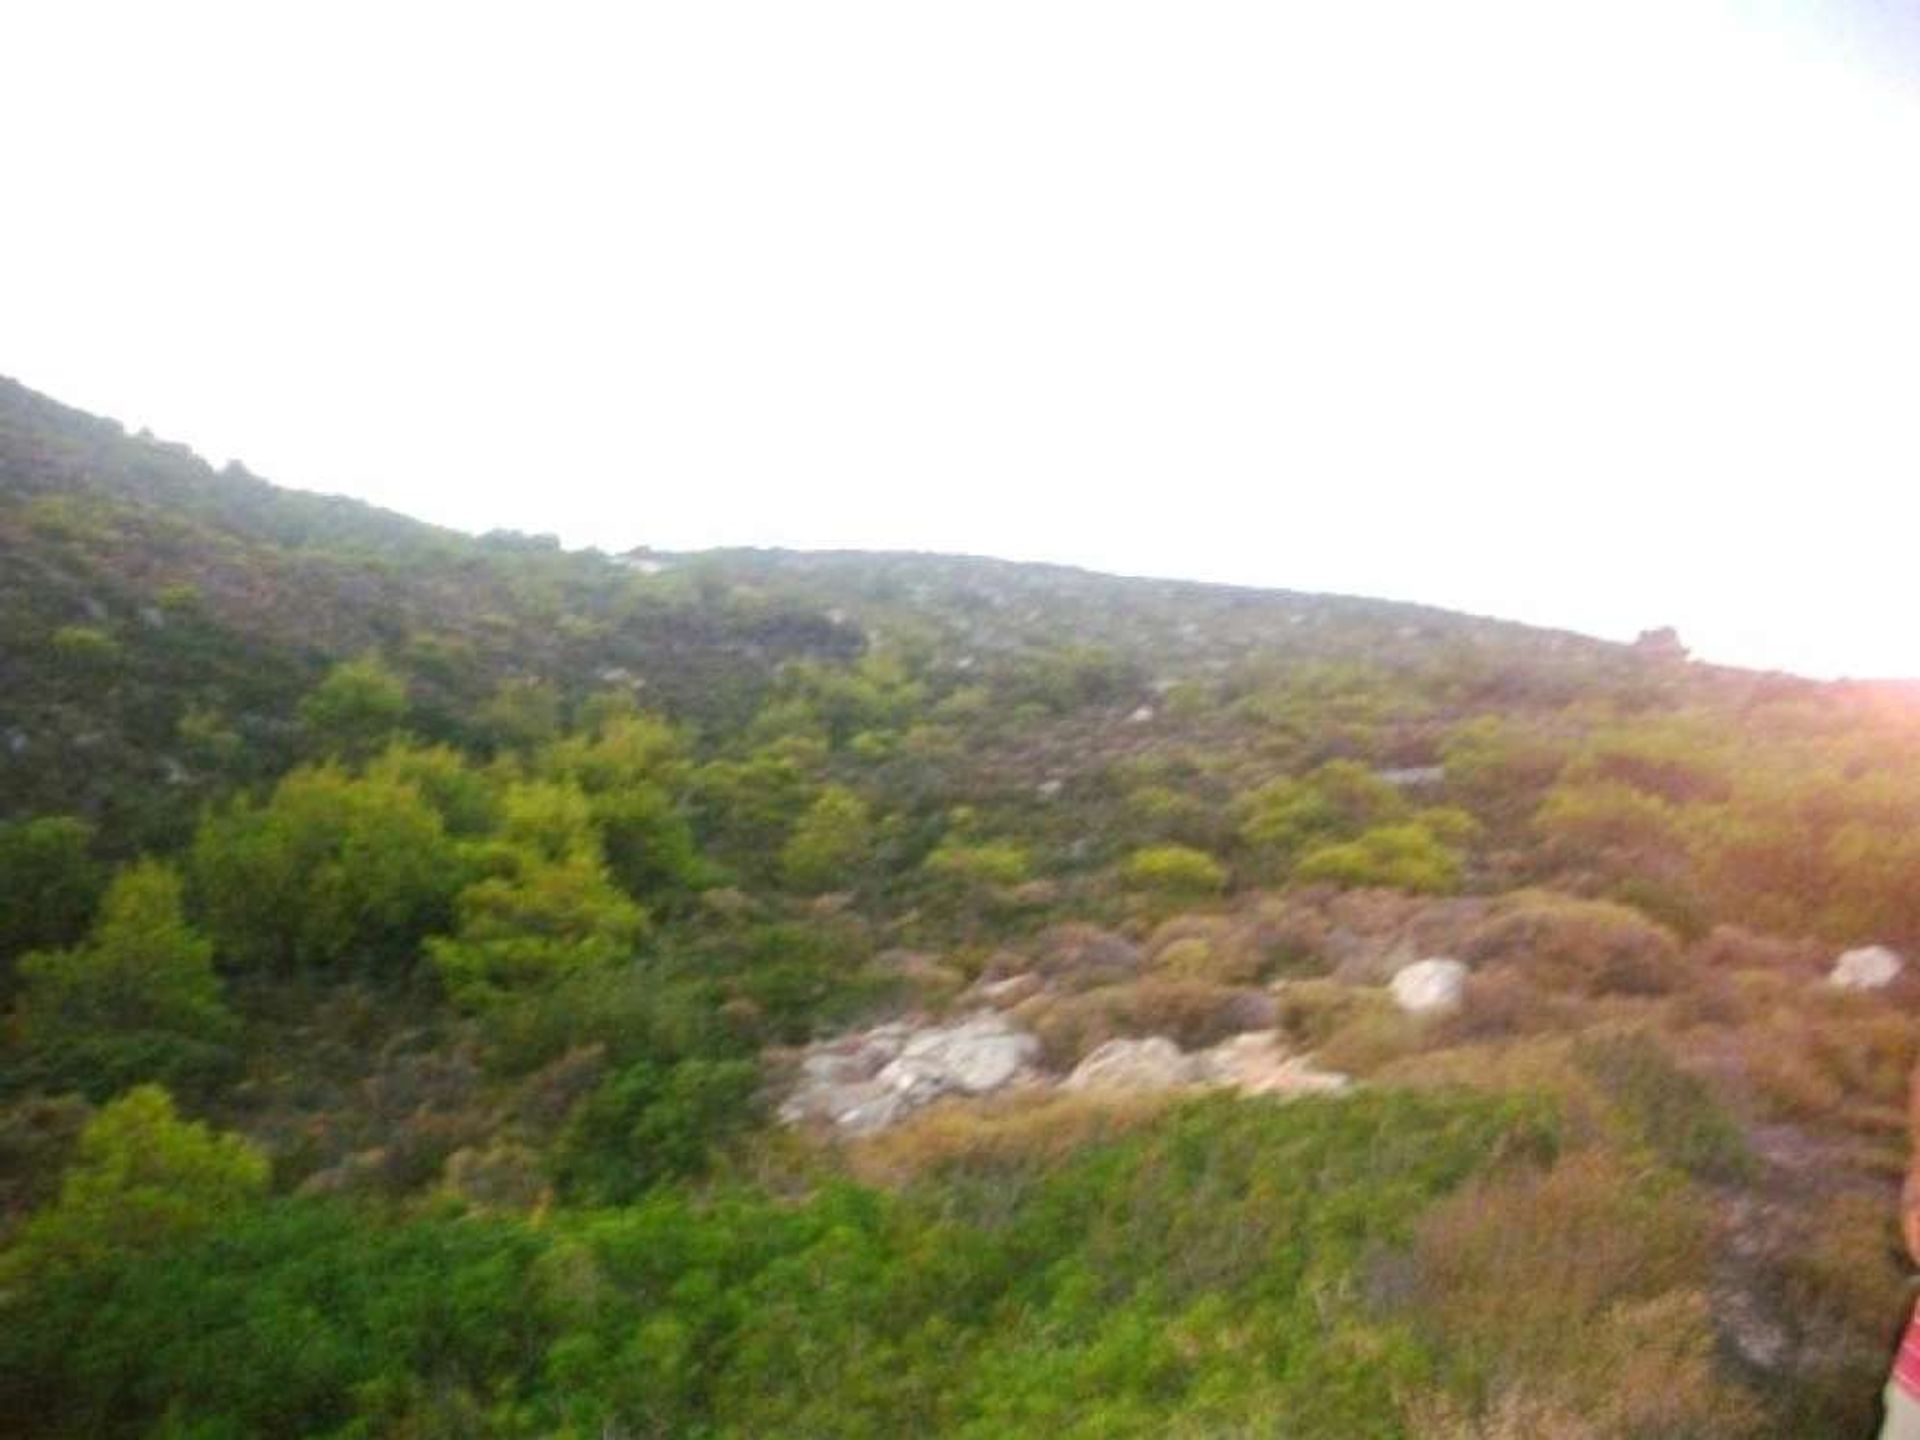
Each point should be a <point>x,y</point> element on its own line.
<point>334,871</point>
<point>138,1000</point>
<point>356,709</point>
<point>830,840</point>
<point>1202,1271</point>
<point>1175,870</point>
<point>547,910</point>
<point>143,1179</point>
<point>50,880</point>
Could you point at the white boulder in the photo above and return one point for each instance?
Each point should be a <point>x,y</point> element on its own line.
<point>1429,987</point>
<point>1871,967</point>
<point>1256,1063</point>
<point>1155,1063</point>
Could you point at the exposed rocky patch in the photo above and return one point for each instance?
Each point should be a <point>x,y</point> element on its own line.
<point>867,1081</point>
<point>864,1082</point>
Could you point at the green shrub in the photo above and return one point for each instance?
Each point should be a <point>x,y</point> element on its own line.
<point>649,1123</point>
<point>139,1000</point>
<point>979,863</point>
<point>1671,1111</point>
<point>1336,801</point>
<point>49,883</point>
<point>354,711</point>
<point>141,1178</point>
<point>330,872</point>
<point>1399,857</point>
<point>85,650</point>
<point>1174,870</point>
<point>828,846</point>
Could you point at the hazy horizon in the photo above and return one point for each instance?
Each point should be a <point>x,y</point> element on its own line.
<point>1598,321</point>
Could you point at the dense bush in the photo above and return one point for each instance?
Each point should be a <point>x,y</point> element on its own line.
<point>648,1123</point>
<point>1203,1269</point>
<point>829,843</point>
<point>356,709</point>
<point>49,884</point>
<point>139,1000</point>
<point>1174,870</point>
<point>1399,857</point>
<point>1673,1112</point>
<point>333,871</point>
<point>1588,946</point>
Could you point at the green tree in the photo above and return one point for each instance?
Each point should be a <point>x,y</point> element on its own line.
<point>630,770</point>
<point>142,1178</point>
<point>522,714</point>
<point>139,999</point>
<point>356,709</point>
<point>744,808</point>
<point>49,883</point>
<point>548,910</point>
<point>466,798</point>
<point>830,841</point>
<point>548,820</point>
<point>332,870</point>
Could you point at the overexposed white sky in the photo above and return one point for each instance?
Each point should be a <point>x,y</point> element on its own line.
<point>1601,314</point>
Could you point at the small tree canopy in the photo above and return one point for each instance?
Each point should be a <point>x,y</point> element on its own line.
<point>142,968</point>
<point>831,839</point>
<point>356,709</point>
<point>142,1178</point>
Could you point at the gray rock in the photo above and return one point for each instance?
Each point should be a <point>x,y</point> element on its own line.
<point>980,1054</point>
<point>865,1082</point>
<point>1258,1064</point>
<point>1430,987</point>
<point>859,1107</point>
<point>1871,967</point>
<point>1155,1063</point>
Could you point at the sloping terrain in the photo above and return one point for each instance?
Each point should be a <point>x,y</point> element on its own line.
<point>160,620</point>
<point>461,987</point>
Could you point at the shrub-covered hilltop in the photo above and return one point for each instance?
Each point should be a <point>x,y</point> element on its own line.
<point>460,987</point>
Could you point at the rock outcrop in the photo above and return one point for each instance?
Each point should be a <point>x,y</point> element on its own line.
<point>862,1083</point>
<point>1258,1064</point>
<point>865,1082</point>
<point>1429,987</point>
<point>1872,967</point>
<point>1153,1063</point>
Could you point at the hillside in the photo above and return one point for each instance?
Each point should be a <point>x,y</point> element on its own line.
<point>161,621</point>
<point>462,987</point>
